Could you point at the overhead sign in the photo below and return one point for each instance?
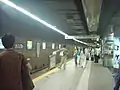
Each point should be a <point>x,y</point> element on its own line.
<point>87,37</point>
<point>68,37</point>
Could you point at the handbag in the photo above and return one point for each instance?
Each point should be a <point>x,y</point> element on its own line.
<point>27,82</point>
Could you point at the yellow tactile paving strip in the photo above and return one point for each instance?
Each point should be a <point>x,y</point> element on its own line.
<point>48,73</point>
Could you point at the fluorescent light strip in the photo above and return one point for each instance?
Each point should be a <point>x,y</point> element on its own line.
<point>33,16</point>
<point>79,41</point>
<point>11,4</point>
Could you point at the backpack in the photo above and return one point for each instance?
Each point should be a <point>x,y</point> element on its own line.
<point>62,53</point>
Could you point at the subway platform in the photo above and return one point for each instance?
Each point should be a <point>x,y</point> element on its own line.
<point>93,77</point>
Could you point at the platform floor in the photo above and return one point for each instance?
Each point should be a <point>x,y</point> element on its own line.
<point>100,78</point>
<point>93,77</point>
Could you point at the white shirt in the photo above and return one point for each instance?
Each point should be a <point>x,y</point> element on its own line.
<point>92,52</point>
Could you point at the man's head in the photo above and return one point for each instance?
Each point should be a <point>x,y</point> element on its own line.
<point>8,41</point>
<point>117,47</point>
<point>64,46</point>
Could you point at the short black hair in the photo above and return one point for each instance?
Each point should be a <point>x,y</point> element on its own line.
<point>76,48</point>
<point>84,50</point>
<point>64,46</point>
<point>8,41</point>
<point>117,47</point>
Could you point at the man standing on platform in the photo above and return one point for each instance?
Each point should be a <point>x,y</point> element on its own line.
<point>14,74</point>
<point>83,60</point>
<point>75,55</point>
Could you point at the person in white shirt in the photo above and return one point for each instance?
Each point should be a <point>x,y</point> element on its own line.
<point>87,53</point>
<point>83,60</point>
<point>92,54</point>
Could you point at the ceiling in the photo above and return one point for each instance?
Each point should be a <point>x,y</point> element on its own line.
<point>92,10</point>
<point>109,17</point>
<point>70,16</point>
<point>67,10</point>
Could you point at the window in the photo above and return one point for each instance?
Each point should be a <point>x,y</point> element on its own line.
<point>29,45</point>
<point>59,46</point>
<point>1,46</point>
<point>43,45</point>
<point>53,45</point>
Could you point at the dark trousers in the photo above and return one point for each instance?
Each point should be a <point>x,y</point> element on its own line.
<point>96,58</point>
<point>76,60</point>
<point>117,84</point>
<point>92,58</point>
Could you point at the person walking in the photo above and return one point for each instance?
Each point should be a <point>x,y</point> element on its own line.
<point>75,55</point>
<point>78,55</point>
<point>87,54</point>
<point>63,54</point>
<point>83,60</point>
<point>117,73</point>
<point>92,54</point>
<point>14,73</point>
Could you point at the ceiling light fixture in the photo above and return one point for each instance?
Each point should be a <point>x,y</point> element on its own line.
<point>79,41</point>
<point>11,4</point>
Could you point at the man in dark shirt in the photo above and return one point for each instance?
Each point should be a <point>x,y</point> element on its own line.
<point>11,65</point>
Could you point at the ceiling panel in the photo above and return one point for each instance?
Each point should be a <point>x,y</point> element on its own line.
<point>69,12</point>
<point>109,10</point>
<point>63,14</point>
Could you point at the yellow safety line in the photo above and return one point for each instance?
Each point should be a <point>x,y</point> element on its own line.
<point>48,73</point>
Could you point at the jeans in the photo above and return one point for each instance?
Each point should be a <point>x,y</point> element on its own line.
<point>117,84</point>
<point>76,60</point>
<point>117,81</point>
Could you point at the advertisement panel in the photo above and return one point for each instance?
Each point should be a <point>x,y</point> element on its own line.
<point>52,61</point>
<point>29,45</point>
